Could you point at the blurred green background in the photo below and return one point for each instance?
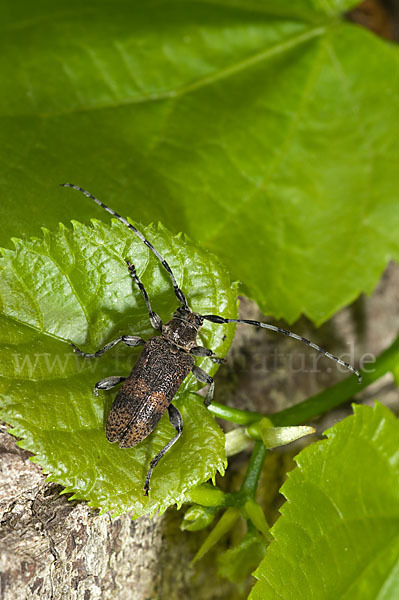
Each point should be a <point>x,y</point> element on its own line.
<point>267,131</point>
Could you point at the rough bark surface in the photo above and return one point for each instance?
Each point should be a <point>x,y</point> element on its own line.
<point>52,548</point>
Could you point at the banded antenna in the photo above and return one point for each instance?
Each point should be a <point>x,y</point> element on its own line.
<point>179,294</point>
<point>218,319</point>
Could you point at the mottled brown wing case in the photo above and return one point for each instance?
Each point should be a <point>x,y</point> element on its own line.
<point>147,392</point>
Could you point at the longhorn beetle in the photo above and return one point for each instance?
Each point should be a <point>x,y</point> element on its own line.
<point>164,363</point>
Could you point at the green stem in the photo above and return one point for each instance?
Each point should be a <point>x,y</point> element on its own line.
<point>254,470</point>
<point>339,393</point>
<point>234,415</point>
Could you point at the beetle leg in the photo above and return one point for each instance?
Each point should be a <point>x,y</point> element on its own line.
<point>176,421</point>
<point>129,340</point>
<point>107,383</point>
<point>201,351</point>
<point>155,319</point>
<point>203,377</point>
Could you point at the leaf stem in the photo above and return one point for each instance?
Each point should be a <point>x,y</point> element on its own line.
<point>250,483</point>
<point>234,415</point>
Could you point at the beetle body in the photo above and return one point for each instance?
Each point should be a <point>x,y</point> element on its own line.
<point>152,384</point>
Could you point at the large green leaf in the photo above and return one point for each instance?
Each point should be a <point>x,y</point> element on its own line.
<point>74,285</point>
<point>265,130</point>
<point>338,537</point>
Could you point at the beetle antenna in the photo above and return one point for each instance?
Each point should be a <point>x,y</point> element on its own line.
<point>218,319</point>
<point>179,294</point>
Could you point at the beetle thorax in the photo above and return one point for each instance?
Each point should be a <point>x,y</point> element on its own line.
<point>182,329</point>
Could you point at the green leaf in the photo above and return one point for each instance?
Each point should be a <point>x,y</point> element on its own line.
<point>395,373</point>
<point>74,285</point>
<point>255,513</point>
<point>239,562</point>
<point>338,537</point>
<point>237,440</point>
<point>273,437</point>
<point>223,526</point>
<point>198,517</point>
<point>263,129</point>
<point>207,495</point>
